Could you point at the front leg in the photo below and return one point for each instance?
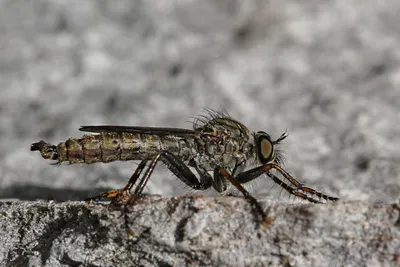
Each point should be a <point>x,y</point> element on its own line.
<point>298,190</point>
<point>299,186</point>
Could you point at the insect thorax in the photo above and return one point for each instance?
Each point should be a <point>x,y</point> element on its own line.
<point>228,143</point>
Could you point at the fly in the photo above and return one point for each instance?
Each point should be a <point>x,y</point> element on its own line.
<point>216,153</point>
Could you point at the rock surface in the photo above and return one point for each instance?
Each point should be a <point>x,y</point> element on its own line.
<point>198,231</point>
<point>327,72</point>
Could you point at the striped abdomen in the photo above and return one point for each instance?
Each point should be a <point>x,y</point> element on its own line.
<point>106,147</point>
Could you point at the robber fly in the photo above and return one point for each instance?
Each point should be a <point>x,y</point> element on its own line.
<point>216,153</point>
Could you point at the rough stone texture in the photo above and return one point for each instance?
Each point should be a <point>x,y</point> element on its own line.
<point>327,71</point>
<point>198,231</point>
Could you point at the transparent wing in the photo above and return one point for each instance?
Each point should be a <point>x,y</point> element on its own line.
<point>139,129</point>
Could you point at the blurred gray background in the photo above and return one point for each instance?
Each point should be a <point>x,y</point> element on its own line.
<point>327,71</point>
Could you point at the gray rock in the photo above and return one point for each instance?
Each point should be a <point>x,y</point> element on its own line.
<point>198,231</point>
<point>327,72</point>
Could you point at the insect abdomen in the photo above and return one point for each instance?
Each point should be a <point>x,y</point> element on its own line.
<point>104,147</point>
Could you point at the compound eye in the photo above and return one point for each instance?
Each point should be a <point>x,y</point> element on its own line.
<point>265,149</point>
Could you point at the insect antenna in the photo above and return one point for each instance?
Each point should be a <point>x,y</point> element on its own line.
<point>280,138</point>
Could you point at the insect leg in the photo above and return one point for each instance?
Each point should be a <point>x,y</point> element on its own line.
<point>290,189</point>
<point>114,193</point>
<point>300,186</point>
<point>182,171</point>
<point>177,167</point>
<point>252,174</point>
<point>138,190</point>
<point>135,176</point>
<point>256,207</point>
<point>140,187</point>
<point>218,183</point>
